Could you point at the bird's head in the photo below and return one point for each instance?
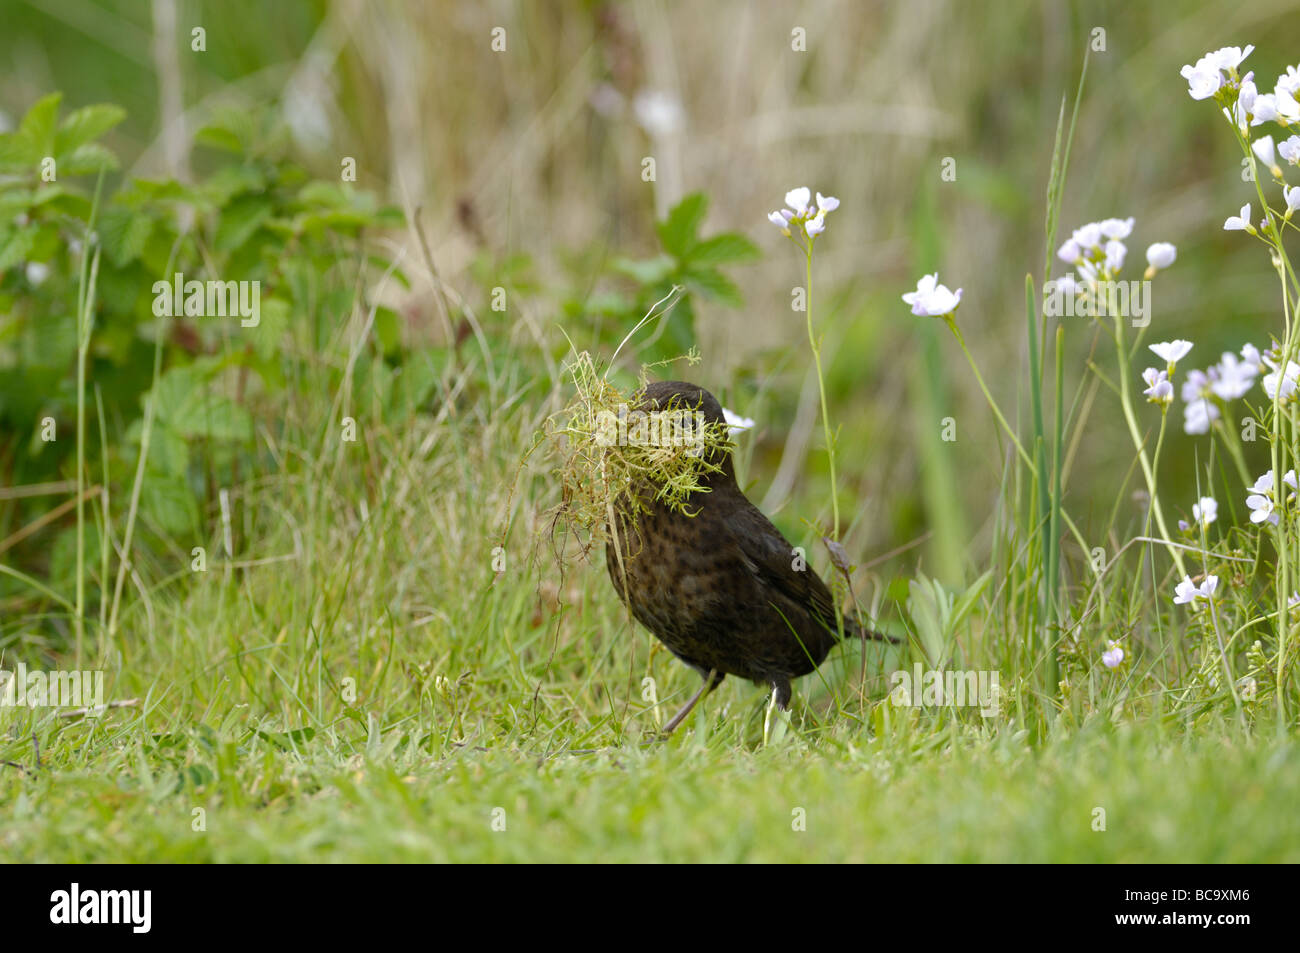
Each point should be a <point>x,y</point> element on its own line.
<point>684,397</point>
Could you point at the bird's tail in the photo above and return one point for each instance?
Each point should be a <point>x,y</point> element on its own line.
<point>854,631</point>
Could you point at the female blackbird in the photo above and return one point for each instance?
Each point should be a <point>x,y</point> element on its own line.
<point>719,587</point>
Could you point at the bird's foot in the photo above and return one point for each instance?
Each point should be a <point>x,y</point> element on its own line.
<point>776,722</point>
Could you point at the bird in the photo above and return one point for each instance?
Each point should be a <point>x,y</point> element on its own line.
<point>715,581</point>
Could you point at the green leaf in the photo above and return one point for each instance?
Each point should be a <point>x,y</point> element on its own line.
<point>186,404</point>
<point>124,235</point>
<point>169,502</point>
<point>85,124</point>
<point>677,232</point>
<point>388,330</point>
<point>727,247</point>
<point>287,740</point>
<point>15,246</point>
<point>219,138</point>
<point>239,220</point>
<point>37,128</point>
<point>168,452</point>
<point>650,271</point>
<point>14,150</point>
<point>88,160</point>
<point>714,285</point>
<point>269,333</point>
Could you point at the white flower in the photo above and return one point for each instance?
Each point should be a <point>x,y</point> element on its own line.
<point>1187,592</point>
<point>1261,509</point>
<point>798,200</point>
<point>1250,354</point>
<point>1230,378</point>
<point>1070,252</point>
<point>1195,386</point>
<point>1113,655</point>
<point>735,422</point>
<point>1264,151</point>
<point>931,299</point>
<point>1229,57</point>
<point>1171,352</point>
<point>1290,150</point>
<point>1203,80</point>
<point>1263,109</point>
<point>1292,196</point>
<point>37,272</point>
<point>827,203</point>
<point>1285,103</point>
<point>1161,255</point>
<point>1261,499</point>
<point>1246,100</point>
<point>1239,222</point>
<point>659,113</point>
<point>1066,285</point>
<point>801,212</point>
<point>1159,389</point>
<point>1198,416</point>
<point>1289,82</point>
<point>1088,236</point>
<point>1206,511</point>
<point>1116,227</point>
<point>1115,253</point>
<point>1248,687</point>
<point>1288,380</point>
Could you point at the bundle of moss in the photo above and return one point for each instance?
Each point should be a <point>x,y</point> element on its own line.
<point>615,456</point>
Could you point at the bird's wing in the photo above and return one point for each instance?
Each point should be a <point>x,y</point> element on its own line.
<point>770,557</point>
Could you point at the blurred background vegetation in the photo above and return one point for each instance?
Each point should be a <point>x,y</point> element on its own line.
<point>525,166</point>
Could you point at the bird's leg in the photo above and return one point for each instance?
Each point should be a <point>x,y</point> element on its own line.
<point>781,700</point>
<point>711,681</point>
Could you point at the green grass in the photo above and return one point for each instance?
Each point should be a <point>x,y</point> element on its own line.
<point>474,693</point>
<point>358,677</point>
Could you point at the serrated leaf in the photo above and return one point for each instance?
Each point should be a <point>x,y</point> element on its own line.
<point>239,220</point>
<point>168,501</point>
<point>124,235</point>
<point>88,159</point>
<point>720,249</point>
<point>184,403</point>
<point>168,452</point>
<point>85,124</point>
<point>37,128</point>
<point>677,232</point>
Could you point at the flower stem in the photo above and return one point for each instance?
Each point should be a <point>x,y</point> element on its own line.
<point>1126,402</point>
<point>821,387</point>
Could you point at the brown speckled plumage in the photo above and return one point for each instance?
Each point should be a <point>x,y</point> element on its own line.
<point>719,588</point>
